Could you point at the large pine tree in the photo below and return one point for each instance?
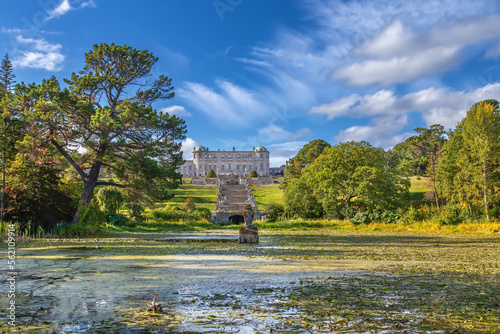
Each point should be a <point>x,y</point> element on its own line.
<point>107,111</point>
<point>6,82</point>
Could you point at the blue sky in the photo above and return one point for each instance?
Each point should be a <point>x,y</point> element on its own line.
<point>280,73</point>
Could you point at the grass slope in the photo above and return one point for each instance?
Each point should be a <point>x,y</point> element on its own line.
<point>267,194</point>
<point>204,196</point>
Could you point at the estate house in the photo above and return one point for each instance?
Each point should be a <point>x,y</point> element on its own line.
<point>226,162</point>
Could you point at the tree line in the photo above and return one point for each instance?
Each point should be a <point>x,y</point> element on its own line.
<point>357,181</point>
<point>55,141</point>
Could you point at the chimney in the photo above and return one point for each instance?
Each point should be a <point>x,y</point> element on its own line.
<point>234,149</point>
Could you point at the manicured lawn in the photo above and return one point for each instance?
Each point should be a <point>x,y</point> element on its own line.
<point>266,194</point>
<point>204,196</point>
<point>419,186</point>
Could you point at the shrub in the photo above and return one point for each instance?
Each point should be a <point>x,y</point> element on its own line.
<point>366,217</point>
<point>188,204</point>
<point>451,215</point>
<point>275,212</point>
<point>116,219</point>
<point>253,174</point>
<point>211,174</point>
<point>202,213</point>
<point>110,199</point>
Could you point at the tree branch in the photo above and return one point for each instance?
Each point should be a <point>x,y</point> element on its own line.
<point>69,158</point>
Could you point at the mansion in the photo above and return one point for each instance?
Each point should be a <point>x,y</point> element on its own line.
<point>226,162</point>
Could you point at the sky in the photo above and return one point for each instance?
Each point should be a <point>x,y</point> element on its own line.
<point>280,73</point>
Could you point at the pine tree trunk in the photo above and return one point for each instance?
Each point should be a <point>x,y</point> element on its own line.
<point>88,190</point>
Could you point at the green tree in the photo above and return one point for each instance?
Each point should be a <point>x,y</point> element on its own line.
<point>8,130</point>
<point>107,112</point>
<point>300,199</point>
<point>470,168</point>
<point>304,157</point>
<point>354,170</point>
<point>211,174</point>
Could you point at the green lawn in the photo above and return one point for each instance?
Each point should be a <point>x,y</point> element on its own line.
<point>266,194</point>
<point>419,186</point>
<point>204,196</point>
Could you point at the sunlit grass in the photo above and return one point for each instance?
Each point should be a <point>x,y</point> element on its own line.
<point>266,194</point>
<point>204,196</point>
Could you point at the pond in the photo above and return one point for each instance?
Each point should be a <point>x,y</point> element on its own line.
<point>208,285</point>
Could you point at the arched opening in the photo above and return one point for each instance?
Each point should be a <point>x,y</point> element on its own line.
<point>236,219</point>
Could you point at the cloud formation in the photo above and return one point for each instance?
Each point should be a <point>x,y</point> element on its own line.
<point>397,55</point>
<point>178,111</point>
<point>40,54</point>
<point>65,6</point>
<point>388,112</point>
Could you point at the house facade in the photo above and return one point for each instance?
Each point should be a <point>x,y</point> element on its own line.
<point>226,162</point>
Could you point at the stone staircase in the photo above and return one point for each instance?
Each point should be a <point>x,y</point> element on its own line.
<point>235,198</point>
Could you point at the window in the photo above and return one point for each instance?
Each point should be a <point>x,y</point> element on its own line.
<point>229,156</point>
<point>215,157</point>
<point>222,156</point>
<point>210,156</point>
<point>238,156</point>
<point>228,166</point>
<point>256,156</point>
<point>222,167</point>
<point>249,157</point>
<point>244,167</point>
<point>215,168</point>
<point>189,168</point>
<point>205,156</point>
<point>194,156</point>
<point>261,167</point>
<point>209,166</point>
<point>184,168</point>
<point>244,156</point>
<point>238,167</point>
<point>206,168</point>
<point>261,156</point>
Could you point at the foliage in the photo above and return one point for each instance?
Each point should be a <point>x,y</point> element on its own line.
<point>91,216</point>
<point>253,173</point>
<point>304,157</point>
<point>188,204</point>
<point>36,191</point>
<point>301,201</point>
<point>202,213</point>
<point>116,219</point>
<point>211,174</point>
<point>342,173</point>
<point>275,212</point>
<point>470,169</point>
<point>103,113</point>
<point>366,217</point>
<point>109,199</point>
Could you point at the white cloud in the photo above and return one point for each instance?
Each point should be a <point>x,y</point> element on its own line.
<point>280,153</point>
<point>383,132</point>
<point>65,6</point>
<point>493,52</point>
<point>388,112</point>
<point>50,61</point>
<point>230,104</point>
<point>187,148</point>
<point>178,111</point>
<point>39,44</point>
<point>398,55</point>
<point>61,9</point>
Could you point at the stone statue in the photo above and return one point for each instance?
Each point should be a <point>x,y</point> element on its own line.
<point>248,232</point>
<point>248,217</point>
